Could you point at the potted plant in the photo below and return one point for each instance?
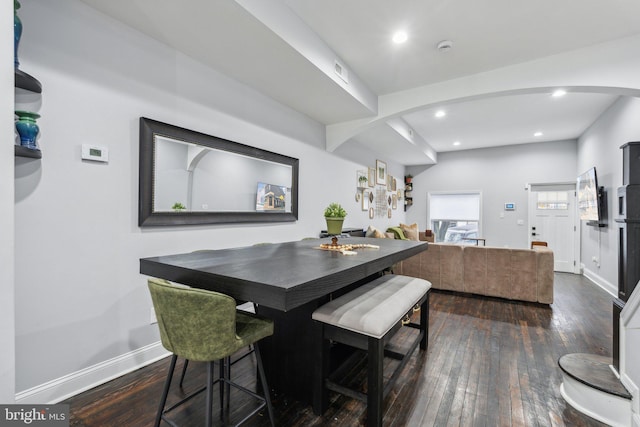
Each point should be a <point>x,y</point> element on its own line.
<point>178,207</point>
<point>408,178</point>
<point>362,180</point>
<point>334,215</point>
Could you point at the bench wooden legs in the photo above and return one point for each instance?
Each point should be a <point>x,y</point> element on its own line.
<point>375,349</point>
<point>321,351</point>
<point>375,395</point>
<point>424,323</point>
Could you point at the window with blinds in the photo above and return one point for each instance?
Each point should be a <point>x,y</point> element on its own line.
<point>552,200</point>
<point>455,217</point>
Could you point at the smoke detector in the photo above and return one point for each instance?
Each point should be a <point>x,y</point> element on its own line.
<point>445,45</point>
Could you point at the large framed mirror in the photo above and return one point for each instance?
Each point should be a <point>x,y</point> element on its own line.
<point>187,177</point>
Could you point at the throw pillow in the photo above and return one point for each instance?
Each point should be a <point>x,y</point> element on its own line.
<point>374,232</point>
<point>379,234</point>
<point>411,231</point>
<point>397,232</point>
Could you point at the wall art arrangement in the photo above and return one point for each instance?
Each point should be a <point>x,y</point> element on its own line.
<point>377,191</point>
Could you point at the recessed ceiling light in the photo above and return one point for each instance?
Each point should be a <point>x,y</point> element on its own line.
<point>537,134</point>
<point>440,113</point>
<point>400,37</point>
<point>558,93</point>
<point>456,143</point>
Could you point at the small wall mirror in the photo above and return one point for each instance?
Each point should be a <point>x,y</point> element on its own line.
<point>187,177</point>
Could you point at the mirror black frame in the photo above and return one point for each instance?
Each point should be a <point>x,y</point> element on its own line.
<point>147,217</point>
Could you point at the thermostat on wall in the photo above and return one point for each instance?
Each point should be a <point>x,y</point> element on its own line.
<point>509,206</point>
<point>95,153</point>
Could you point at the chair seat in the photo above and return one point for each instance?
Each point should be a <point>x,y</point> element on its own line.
<point>250,328</point>
<point>374,308</point>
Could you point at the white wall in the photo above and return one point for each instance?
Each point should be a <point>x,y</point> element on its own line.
<point>599,146</point>
<point>80,300</point>
<point>7,323</point>
<point>501,174</point>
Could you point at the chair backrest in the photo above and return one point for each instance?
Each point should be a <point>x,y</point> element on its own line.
<point>195,324</point>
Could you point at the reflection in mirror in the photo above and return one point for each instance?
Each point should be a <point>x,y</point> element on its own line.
<point>191,178</point>
<point>206,179</point>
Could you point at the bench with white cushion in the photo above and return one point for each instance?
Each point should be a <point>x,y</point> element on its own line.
<point>367,318</point>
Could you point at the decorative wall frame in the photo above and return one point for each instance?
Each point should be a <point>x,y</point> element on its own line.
<point>381,172</point>
<point>380,202</point>
<point>372,177</point>
<point>365,199</point>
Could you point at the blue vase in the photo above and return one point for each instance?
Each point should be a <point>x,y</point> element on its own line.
<point>17,33</point>
<point>27,128</point>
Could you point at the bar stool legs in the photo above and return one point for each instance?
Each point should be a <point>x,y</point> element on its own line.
<point>224,388</point>
<point>165,391</point>
<point>265,386</point>
<point>209,405</point>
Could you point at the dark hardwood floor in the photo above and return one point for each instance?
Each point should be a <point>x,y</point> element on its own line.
<point>490,362</point>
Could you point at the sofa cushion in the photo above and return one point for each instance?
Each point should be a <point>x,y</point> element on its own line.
<point>429,263</point>
<point>523,275</point>
<point>410,231</point>
<point>544,257</point>
<point>475,269</point>
<point>451,267</point>
<point>398,232</point>
<point>411,266</point>
<point>374,232</point>
<point>498,272</point>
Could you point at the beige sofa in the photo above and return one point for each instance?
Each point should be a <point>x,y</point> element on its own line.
<point>515,274</point>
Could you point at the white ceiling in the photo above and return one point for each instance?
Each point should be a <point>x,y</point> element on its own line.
<point>277,46</point>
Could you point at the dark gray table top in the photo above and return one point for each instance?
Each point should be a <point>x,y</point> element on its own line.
<point>281,276</point>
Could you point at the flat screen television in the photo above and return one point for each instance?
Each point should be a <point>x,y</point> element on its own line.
<point>590,198</point>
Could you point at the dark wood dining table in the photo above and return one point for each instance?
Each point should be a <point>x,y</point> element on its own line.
<point>287,281</point>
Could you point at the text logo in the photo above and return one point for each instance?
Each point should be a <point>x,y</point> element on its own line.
<point>34,415</point>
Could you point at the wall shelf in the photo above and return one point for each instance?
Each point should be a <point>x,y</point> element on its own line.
<point>27,81</point>
<point>30,83</point>
<point>21,151</point>
<point>408,198</point>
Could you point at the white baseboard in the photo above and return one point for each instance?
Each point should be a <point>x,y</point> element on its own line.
<point>600,281</point>
<point>69,385</point>
<point>635,394</point>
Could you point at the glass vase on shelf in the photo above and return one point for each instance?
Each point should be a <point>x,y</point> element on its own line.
<point>27,128</point>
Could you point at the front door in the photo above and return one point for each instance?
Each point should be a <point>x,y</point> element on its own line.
<point>552,219</point>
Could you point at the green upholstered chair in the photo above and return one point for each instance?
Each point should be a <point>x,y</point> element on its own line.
<point>205,326</point>
<point>243,306</point>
